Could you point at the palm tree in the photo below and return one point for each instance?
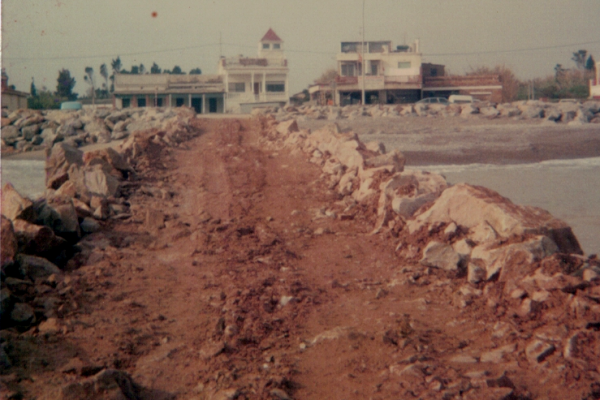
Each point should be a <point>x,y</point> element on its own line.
<point>89,78</point>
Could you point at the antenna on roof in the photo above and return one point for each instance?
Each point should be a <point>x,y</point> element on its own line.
<point>220,46</point>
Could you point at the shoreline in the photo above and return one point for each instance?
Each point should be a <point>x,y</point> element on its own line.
<point>40,155</point>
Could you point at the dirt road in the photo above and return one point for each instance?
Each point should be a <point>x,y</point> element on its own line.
<point>233,280</point>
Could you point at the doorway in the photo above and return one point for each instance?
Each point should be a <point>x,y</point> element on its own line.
<point>179,102</point>
<point>197,105</point>
<point>256,87</point>
<point>212,105</point>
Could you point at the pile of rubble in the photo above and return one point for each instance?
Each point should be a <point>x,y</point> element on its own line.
<point>28,130</point>
<point>520,263</point>
<point>45,237</point>
<point>572,113</point>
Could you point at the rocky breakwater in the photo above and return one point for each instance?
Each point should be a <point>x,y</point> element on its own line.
<point>517,268</point>
<point>28,130</point>
<point>46,241</point>
<point>572,113</point>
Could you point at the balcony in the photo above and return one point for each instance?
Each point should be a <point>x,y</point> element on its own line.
<point>376,82</point>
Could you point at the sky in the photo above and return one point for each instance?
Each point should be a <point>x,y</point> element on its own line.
<point>40,37</point>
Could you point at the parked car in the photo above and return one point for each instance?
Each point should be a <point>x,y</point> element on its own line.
<point>433,100</point>
<point>70,105</point>
<point>461,99</point>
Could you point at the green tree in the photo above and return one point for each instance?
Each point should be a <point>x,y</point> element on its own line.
<point>44,100</point>
<point>559,72</point>
<point>135,70</point>
<point>590,65</point>
<point>89,78</point>
<point>116,65</point>
<point>196,71</point>
<point>579,58</point>
<point>142,69</point>
<point>104,74</point>
<point>155,69</point>
<point>177,70</point>
<point>32,88</point>
<point>65,85</point>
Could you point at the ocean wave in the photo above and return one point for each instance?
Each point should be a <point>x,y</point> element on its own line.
<point>579,163</point>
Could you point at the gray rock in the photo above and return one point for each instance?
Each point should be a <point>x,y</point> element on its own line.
<point>36,267</point>
<point>440,255</point>
<point>59,213</point>
<point>22,315</point>
<point>10,133</point>
<point>89,225</point>
<point>30,131</point>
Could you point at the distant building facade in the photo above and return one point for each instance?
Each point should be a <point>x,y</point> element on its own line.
<point>394,75</point>
<point>12,99</point>
<point>595,84</point>
<point>241,83</point>
<point>256,82</point>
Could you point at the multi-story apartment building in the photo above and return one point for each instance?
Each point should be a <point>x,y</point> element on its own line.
<point>390,76</point>
<point>395,75</point>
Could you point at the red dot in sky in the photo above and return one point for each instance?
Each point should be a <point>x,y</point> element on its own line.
<point>154,14</point>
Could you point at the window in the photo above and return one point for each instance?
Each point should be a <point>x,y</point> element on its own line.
<point>404,64</point>
<point>266,46</point>
<point>237,87</point>
<point>348,70</point>
<point>275,86</point>
<point>126,102</point>
<point>276,46</point>
<point>141,102</point>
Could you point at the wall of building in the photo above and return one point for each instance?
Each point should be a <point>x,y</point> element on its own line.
<point>13,102</point>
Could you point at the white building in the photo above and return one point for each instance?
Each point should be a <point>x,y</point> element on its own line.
<point>241,83</point>
<point>256,82</point>
<point>390,74</point>
<point>595,84</point>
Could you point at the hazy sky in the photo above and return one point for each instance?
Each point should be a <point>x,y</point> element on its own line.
<point>39,37</point>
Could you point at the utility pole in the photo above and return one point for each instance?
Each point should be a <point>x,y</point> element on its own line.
<point>363,55</point>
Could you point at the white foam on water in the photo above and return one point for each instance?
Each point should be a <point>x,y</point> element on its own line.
<point>580,163</point>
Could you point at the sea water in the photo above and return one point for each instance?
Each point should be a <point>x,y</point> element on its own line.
<point>27,176</point>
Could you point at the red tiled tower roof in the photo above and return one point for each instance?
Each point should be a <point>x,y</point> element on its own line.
<point>271,36</point>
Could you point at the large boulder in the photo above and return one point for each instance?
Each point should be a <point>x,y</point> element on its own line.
<point>287,127</point>
<point>441,255</point>
<point>10,134</point>
<point>110,159</point>
<point>100,182</point>
<point>513,261</point>
<point>58,161</point>
<point>394,158</point>
<point>59,214</point>
<point>475,206</point>
<point>35,267</point>
<point>16,206</point>
<point>30,131</point>
<point>8,240</point>
<point>37,239</point>
<point>343,146</point>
